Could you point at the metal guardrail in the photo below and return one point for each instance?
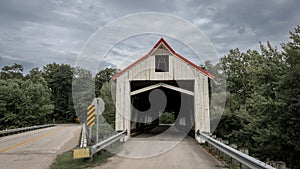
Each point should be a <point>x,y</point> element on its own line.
<point>103,144</point>
<point>24,129</point>
<point>88,151</point>
<point>83,141</point>
<point>235,154</point>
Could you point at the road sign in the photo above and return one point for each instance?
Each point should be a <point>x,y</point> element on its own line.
<point>90,120</point>
<point>100,106</point>
<point>81,153</point>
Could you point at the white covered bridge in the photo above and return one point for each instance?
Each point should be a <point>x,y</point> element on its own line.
<point>184,84</point>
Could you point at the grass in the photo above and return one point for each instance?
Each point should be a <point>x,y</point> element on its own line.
<point>66,161</point>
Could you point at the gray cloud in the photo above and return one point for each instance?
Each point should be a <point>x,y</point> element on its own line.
<point>37,32</point>
<point>244,23</point>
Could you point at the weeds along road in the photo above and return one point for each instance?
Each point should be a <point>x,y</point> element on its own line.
<point>37,149</point>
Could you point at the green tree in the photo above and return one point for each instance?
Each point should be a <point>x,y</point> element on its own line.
<point>14,71</point>
<point>83,91</point>
<point>262,108</point>
<point>40,94</point>
<point>24,103</point>
<point>35,75</point>
<point>59,80</point>
<point>167,118</point>
<point>11,103</point>
<point>104,89</point>
<point>106,94</point>
<point>217,92</point>
<point>102,77</point>
<point>289,116</point>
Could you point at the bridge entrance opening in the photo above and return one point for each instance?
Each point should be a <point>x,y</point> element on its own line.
<point>158,105</point>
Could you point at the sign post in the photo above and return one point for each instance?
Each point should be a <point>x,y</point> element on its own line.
<point>94,110</point>
<point>99,110</point>
<point>97,121</point>
<point>90,120</point>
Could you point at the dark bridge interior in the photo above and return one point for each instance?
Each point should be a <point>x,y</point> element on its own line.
<point>153,108</point>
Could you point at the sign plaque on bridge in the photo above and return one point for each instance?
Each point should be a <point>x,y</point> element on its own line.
<point>81,153</point>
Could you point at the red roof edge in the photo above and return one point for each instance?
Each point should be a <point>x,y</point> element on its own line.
<point>169,47</point>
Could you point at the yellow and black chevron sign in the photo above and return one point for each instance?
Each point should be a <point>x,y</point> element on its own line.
<point>90,120</point>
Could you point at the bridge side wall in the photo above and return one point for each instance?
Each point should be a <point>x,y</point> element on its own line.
<point>201,104</point>
<point>123,105</point>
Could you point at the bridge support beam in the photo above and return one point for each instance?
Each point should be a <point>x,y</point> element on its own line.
<point>201,104</point>
<point>123,108</point>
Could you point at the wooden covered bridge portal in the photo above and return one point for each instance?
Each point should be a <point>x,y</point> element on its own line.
<point>184,84</point>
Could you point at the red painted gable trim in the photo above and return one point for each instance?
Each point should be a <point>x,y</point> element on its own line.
<point>172,51</point>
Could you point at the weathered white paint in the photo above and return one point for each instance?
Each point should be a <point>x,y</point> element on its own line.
<point>178,70</point>
<point>162,85</point>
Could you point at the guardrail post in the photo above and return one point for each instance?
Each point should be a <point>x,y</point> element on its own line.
<point>97,121</point>
<point>280,165</point>
<point>246,151</point>
<point>209,145</point>
<point>90,133</point>
<point>233,161</point>
<point>218,151</point>
<point>225,156</point>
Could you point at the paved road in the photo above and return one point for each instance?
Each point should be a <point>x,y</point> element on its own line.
<point>37,149</point>
<point>149,152</point>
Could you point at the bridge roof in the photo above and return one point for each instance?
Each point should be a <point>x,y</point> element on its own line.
<point>162,41</point>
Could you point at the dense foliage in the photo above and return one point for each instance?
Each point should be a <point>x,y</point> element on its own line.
<point>102,77</point>
<point>59,80</point>
<point>44,96</point>
<point>24,101</point>
<point>109,112</point>
<point>82,91</point>
<point>167,118</point>
<point>263,101</point>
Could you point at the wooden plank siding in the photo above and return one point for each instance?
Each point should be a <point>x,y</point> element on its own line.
<point>178,70</point>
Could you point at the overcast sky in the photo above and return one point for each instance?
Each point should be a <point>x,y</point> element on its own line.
<point>38,32</point>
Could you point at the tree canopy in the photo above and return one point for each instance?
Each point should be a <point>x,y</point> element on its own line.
<point>263,102</point>
<point>23,101</point>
